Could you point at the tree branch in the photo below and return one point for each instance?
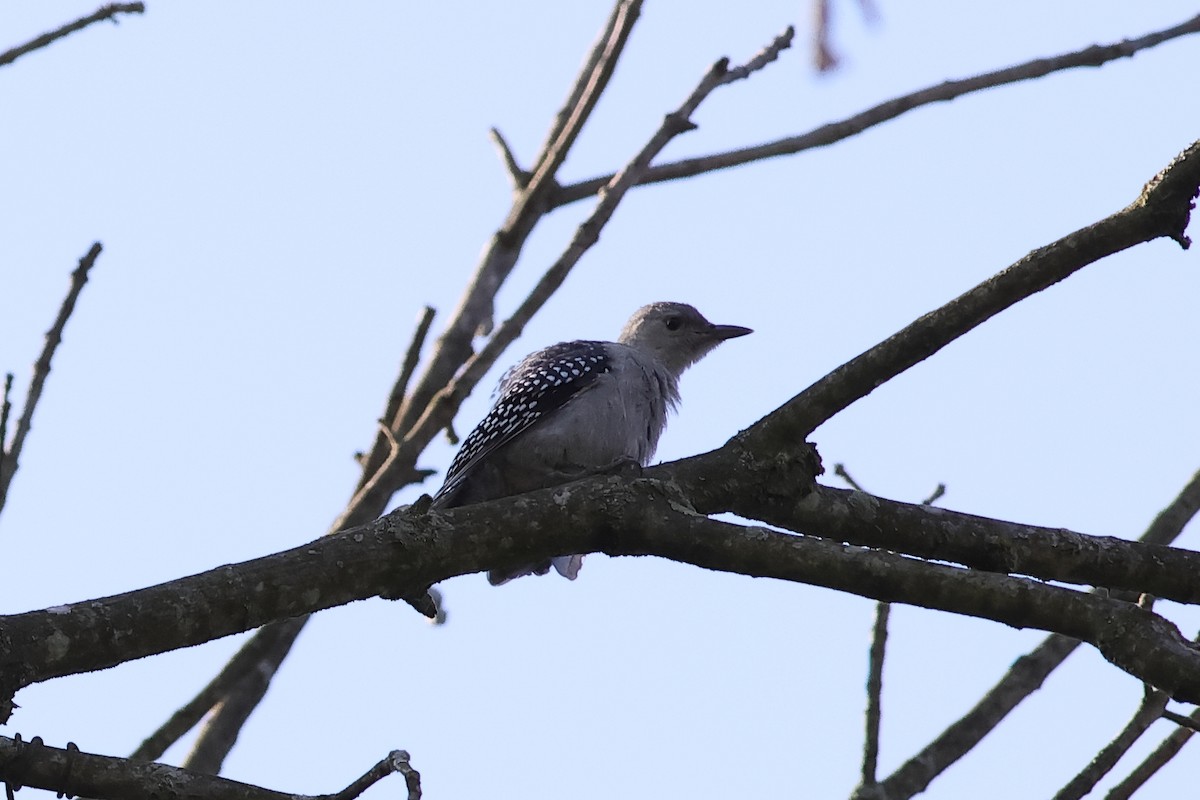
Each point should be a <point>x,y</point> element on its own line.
<point>518,177</point>
<point>72,772</point>
<point>109,11</point>
<point>412,357</point>
<point>879,634</point>
<point>987,544</point>
<point>404,552</point>
<point>41,370</point>
<point>1094,56</point>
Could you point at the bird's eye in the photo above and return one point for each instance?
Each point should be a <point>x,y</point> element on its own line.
<point>673,323</point>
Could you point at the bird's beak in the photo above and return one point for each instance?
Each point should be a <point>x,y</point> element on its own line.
<point>723,332</point>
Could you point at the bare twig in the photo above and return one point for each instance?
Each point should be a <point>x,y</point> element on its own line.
<point>1182,721</point>
<point>585,93</point>
<point>1148,712</point>
<point>5,410</point>
<point>823,56</point>
<point>396,761</point>
<point>1167,749</point>
<point>875,658</point>
<point>517,176</point>
<point>109,11</point>
<point>879,636</point>
<point>41,370</point>
<point>385,439</point>
<point>938,493</point>
<point>411,359</point>
<point>71,772</point>
<point>840,471</point>
<point>1094,56</point>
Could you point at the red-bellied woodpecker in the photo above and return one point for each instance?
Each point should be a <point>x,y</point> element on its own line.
<point>578,408</point>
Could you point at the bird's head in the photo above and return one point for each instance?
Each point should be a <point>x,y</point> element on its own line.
<point>676,334</point>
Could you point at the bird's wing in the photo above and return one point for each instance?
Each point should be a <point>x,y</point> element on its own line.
<point>540,384</point>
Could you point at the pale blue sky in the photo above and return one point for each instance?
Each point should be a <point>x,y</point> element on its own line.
<point>280,188</point>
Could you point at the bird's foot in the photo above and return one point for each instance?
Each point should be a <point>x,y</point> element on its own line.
<point>624,467</point>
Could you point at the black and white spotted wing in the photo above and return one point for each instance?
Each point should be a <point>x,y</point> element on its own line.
<point>541,383</point>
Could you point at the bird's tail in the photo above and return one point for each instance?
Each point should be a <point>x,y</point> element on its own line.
<point>567,566</point>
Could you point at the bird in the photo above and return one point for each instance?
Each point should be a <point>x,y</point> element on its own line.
<point>580,408</point>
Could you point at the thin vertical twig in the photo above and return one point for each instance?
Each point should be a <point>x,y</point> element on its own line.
<point>875,657</point>
<point>5,411</point>
<point>879,636</point>
<point>824,59</point>
<point>387,436</point>
<point>41,370</point>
